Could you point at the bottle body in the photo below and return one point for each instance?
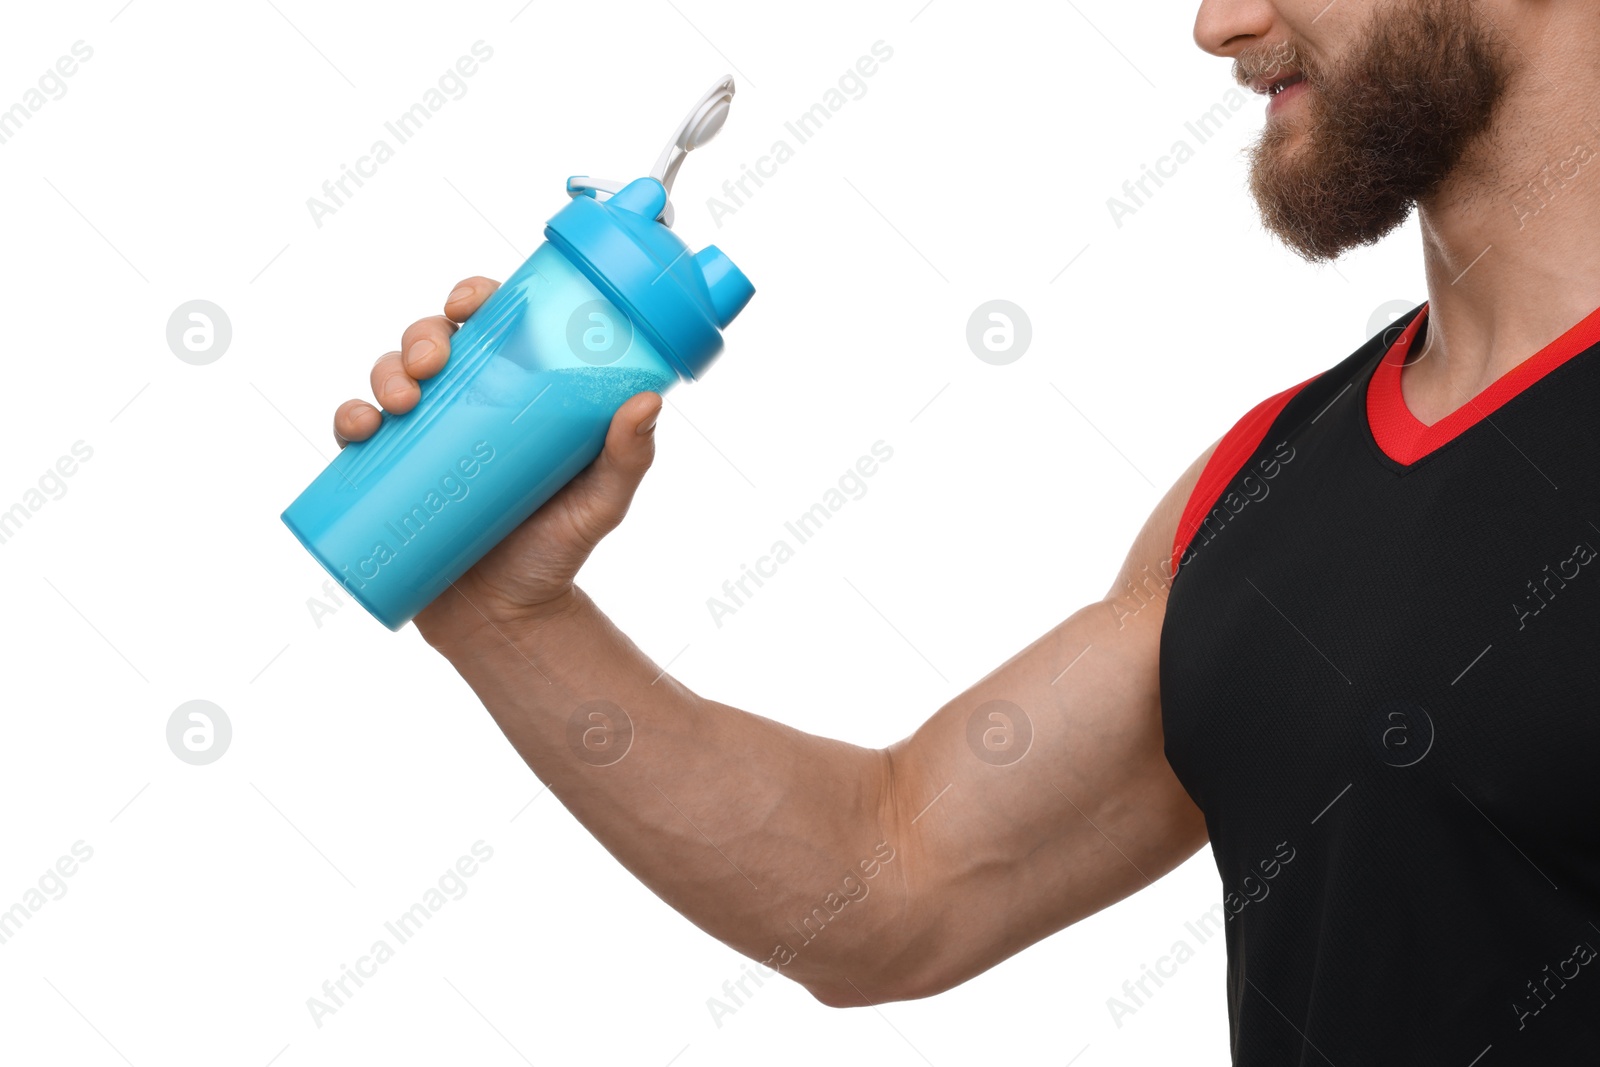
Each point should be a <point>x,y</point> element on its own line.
<point>522,406</point>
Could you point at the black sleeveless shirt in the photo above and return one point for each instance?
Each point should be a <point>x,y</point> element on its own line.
<point>1380,681</point>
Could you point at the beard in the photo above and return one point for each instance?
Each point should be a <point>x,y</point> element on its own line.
<point>1381,131</point>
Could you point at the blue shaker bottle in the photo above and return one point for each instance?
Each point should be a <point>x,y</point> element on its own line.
<point>610,305</point>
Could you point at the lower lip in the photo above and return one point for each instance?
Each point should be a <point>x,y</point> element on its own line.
<point>1278,103</point>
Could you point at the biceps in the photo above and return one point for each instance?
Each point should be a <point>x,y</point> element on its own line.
<point>1044,787</point>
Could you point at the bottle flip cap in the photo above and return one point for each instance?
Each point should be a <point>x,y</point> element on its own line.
<point>698,126</point>
<point>619,235</point>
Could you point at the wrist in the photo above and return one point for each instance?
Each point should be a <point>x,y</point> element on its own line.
<point>462,625</point>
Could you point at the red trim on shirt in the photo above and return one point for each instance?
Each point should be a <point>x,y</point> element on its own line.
<point>1233,452</point>
<point>1405,439</point>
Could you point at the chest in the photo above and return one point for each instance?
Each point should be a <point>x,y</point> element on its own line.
<point>1431,632</point>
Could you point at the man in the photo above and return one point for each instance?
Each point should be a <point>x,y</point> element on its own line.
<point>1354,646</point>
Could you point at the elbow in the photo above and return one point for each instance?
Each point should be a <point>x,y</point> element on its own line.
<point>902,953</point>
<point>838,996</point>
<point>860,991</point>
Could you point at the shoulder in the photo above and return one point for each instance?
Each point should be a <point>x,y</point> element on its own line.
<point>1227,460</point>
<point>1280,411</point>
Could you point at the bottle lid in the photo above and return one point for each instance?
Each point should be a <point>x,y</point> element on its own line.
<point>620,237</point>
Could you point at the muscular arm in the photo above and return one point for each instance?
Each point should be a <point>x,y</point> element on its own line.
<point>750,828</point>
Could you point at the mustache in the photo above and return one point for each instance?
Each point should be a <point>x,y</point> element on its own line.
<point>1268,61</point>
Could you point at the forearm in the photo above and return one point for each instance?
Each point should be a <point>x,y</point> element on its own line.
<point>742,824</point>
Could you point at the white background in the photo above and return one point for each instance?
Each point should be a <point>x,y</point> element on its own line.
<point>977,165</point>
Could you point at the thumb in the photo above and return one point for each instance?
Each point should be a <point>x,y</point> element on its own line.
<point>609,484</point>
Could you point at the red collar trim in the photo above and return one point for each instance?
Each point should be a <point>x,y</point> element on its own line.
<point>1405,439</point>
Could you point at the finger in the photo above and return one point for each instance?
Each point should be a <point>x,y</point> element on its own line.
<point>425,346</point>
<point>612,479</point>
<point>396,390</point>
<point>630,448</point>
<point>641,416</point>
<point>356,420</point>
<point>468,295</point>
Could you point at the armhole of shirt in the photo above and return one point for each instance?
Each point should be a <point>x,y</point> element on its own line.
<point>1233,452</point>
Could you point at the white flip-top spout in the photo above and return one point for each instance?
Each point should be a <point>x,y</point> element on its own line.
<point>699,126</point>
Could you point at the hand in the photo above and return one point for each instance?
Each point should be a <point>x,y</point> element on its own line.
<point>528,577</point>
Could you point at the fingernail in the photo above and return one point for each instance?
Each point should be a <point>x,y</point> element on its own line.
<point>460,294</point>
<point>647,427</point>
<point>395,384</point>
<point>418,352</point>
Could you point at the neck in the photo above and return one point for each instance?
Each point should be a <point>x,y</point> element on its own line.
<point>1509,246</point>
